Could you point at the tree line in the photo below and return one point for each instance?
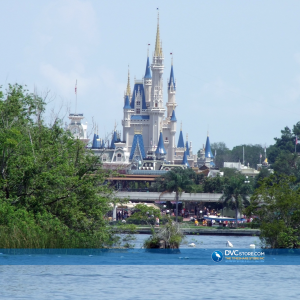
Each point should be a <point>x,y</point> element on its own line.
<point>53,194</point>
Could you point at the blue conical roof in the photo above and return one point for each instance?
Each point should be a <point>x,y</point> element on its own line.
<point>180,143</point>
<point>173,117</point>
<point>113,140</point>
<point>208,152</point>
<point>184,160</point>
<point>127,103</point>
<point>94,145</point>
<point>160,146</point>
<point>148,70</point>
<point>187,148</point>
<point>137,144</point>
<point>172,79</point>
<point>98,141</point>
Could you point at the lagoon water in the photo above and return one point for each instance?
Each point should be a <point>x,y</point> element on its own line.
<point>153,282</point>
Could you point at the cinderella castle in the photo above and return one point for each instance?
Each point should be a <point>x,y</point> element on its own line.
<point>149,129</point>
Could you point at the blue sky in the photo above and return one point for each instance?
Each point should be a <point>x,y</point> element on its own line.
<point>237,63</point>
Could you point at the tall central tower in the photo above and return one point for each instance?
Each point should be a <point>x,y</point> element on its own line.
<point>156,109</point>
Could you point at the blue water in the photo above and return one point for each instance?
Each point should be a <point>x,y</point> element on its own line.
<point>153,282</point>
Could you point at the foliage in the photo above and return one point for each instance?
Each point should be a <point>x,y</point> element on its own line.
<point>229,172</point>
<point>52,188</point>
<point>276,203</point>
<point>236,191</point>
<point>213,185</point>
<point>252,154</point>
<point>168,236</point>
<point>177,180</point>
<point>263,173</point>
<point>222,153</point>
<point>142,212</point>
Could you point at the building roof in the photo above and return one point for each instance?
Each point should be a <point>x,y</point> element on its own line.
<point>98,141</point>
<point>187,148</point>
<point>180,143</point>
<point>137,146</point>
<point>138,88</point>
<point>208,152</point>
<point>184,160</point>
<point>172,79</point>
<point>158,49</point>
<point>173,117</point>
<point>148,70</point>
<point>160,146</point>
<point>128,89</point>
<point>94,144</point>
<point>127,103</point>
<point>140,117</point>
<point>113,140</point>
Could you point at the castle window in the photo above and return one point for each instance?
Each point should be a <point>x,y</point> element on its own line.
<point>119,156</point>
<point>166,138</point>
<point>138,111</point>
<point>155,104</point>
<point>138,102</point>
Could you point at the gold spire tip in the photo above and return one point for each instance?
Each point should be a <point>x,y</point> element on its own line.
<point>128,89</point>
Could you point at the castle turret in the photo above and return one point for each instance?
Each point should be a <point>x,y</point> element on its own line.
<point>157,68</point>
<point>172,146</point>
<point>160,151</point>
<point>157,110</point>
<point>94,145</point>
<point>180,143</point>
<point>187,146</point>
<point>148,82</point>
<point>184,160</point>
<point>208,153</point>
<point>171,92</point>
<point>127,112</point>
<point>113,140</point>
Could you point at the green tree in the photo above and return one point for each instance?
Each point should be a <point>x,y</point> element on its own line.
<point>223,154</point>
<point>286,143</point>
<point>236,192</point>
<point>142,212</point>
<point>49,180</point>
<point>213,185</point>
<point>276,203</point>
<point>251,154</point>
<point>264,173</point>
<point>178,181</point>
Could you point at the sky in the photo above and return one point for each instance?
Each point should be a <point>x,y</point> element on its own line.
<point>237,63</point>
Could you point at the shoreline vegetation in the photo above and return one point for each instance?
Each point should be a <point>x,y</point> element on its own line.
<point>48,198</point>
<point>54,192</point>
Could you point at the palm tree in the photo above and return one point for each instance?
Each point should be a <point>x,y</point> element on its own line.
<point>177,180</point>
<point>236,192</point>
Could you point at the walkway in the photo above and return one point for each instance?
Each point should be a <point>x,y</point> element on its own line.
<point>155,196</point>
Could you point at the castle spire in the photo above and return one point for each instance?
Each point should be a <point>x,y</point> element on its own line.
<point>128,89</point>
<point>172,78</point>
<point>180,143</point>
<point>148,70</point>
<point>158,48</point>
<point>160,150</point>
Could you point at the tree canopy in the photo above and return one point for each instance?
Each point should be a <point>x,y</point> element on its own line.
<point>276,204</point>
<point>52,189</point>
